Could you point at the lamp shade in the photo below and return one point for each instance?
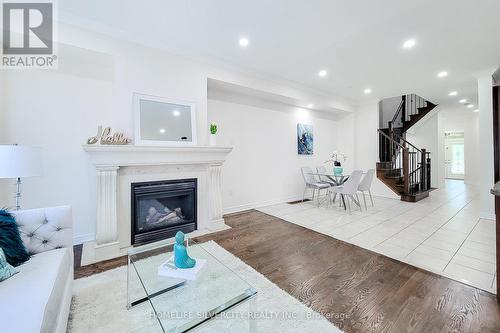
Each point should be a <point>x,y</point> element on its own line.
<point>20,161</point>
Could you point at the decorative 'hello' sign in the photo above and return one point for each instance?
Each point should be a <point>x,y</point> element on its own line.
<point>106,138</point>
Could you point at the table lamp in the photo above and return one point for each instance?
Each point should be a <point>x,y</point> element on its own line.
<point>18,162</point>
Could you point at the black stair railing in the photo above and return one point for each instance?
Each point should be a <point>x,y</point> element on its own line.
<point>404,162</point>
<point>399,115</point>
<point>419,165</point>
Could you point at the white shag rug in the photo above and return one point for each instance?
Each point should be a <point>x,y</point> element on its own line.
<point>99,305</point>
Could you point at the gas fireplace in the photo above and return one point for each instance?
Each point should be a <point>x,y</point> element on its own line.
<point>161,208</point>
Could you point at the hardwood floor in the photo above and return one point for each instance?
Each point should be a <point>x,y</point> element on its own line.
<point>357,290</point>
<point>88,270</point>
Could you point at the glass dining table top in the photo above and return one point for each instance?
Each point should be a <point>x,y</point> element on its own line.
<point>331,174</point>
<point>336,178</point>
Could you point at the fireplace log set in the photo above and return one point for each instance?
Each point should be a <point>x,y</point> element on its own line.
<point>161,208</point>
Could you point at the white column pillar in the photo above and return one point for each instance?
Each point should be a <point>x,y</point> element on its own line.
<point>485,97</point>
<point>107,228</point>
<point>216,221</point>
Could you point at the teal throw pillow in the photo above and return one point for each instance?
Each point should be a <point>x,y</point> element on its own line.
<point>6,269</point>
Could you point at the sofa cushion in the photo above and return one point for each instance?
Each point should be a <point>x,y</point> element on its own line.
<point>10,240</point>
<point>45,229</point>
<point>32,298</point>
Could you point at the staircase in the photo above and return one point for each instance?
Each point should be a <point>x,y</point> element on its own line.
<point>403,167</point>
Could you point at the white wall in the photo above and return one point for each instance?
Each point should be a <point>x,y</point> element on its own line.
<point>358,135</point>
<point>57,112</point>
<point>365,138</point>
<point>485,96</point>
<point>3,110</point>
<point>355,135</point>
<point>388,107</point>
<point>97,76</point>
<point>460,120</point>
<point>5,184</point>
<point>264,166</point>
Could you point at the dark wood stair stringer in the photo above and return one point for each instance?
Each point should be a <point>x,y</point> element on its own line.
<point>422,112</point>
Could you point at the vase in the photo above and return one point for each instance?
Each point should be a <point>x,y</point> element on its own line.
<point>337,171</point>
<point>212,140</point>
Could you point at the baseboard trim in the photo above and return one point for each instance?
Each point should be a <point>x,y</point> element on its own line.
<point>254,205</point>
<point>80,239</point>
<point>487,215</point>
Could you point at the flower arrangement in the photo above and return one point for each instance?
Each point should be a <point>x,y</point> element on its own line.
<point>213,128</point>
<point>336,158</point>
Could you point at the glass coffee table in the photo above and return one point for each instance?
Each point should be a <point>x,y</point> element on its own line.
<point>181,305</point>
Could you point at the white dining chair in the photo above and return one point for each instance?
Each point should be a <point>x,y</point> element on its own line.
<point>312,183</point>
<point>366,184</point>
<point>349,189</point>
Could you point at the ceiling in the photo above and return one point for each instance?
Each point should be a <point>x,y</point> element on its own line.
<point>229,92</point>
<point>358,42</point>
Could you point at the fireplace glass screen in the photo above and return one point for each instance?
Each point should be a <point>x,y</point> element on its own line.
<point>160,209</point>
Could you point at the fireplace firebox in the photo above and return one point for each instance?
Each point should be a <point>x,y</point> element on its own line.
<point>161,208</point>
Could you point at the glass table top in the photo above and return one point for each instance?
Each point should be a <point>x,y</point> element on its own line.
<point>180,304</point>
<point>331,174</point>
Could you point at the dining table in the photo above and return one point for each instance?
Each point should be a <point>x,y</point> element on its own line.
<point>337,180</point>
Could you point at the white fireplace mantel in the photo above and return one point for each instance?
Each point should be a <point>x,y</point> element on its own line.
<point>131,155</point>
<point>109,160</point>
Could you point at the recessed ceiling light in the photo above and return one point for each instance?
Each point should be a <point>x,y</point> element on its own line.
<point>322,73</point>
<point>176,113</point>
<point>310,106</point>
<point>453,93</point>
<point>367,91</point>
<point>476,110</point>
<point>470,106</point>
<point>162,131</point>
<point>463,100</point>
<point>409,43</point>
<point>442,74</point>
<point>244,42</point>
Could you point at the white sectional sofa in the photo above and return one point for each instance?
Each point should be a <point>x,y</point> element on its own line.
<point>38,298</point>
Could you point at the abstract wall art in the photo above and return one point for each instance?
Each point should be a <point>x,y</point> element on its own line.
<point>305,139</point>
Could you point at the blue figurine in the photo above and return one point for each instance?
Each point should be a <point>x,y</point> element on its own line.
<point>181,257</point>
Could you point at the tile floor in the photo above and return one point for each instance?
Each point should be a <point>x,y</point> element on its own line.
<point>442,233</point>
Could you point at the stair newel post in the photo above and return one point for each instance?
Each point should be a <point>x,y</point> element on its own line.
<point>403,115</point>
<point>423,171</point>
<point>391,142</point>
<point>428,170</point>
<point>406,170</point>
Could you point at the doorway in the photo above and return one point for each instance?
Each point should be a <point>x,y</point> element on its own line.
<point>454,155</point>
